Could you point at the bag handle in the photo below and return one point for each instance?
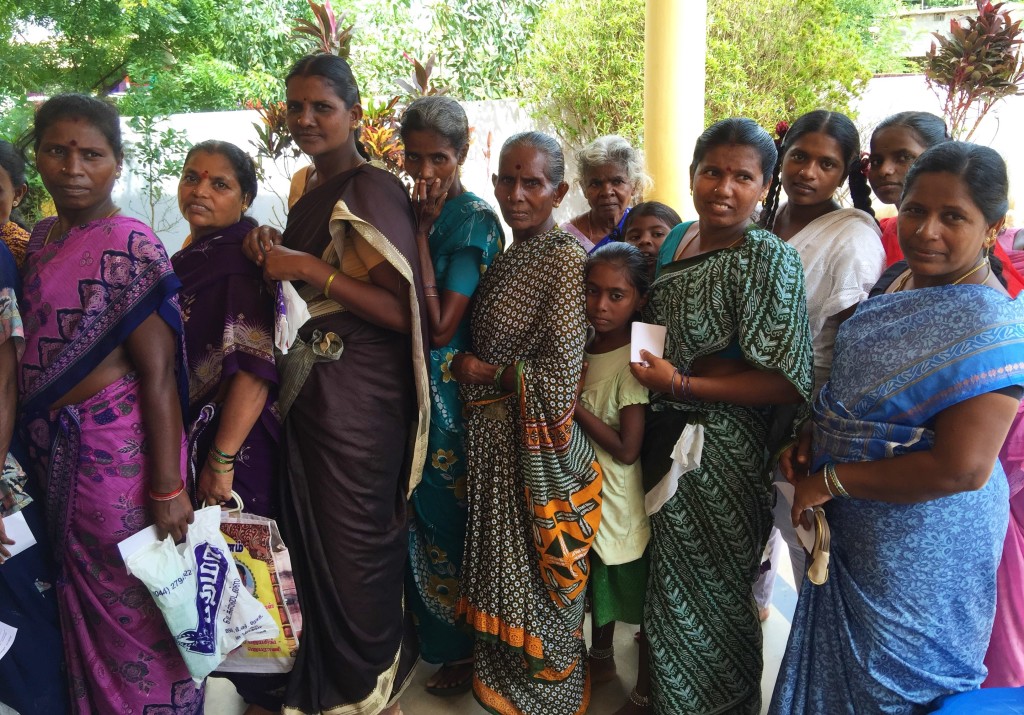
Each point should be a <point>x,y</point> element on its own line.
<point>239,504</point>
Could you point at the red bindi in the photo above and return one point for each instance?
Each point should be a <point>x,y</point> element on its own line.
<point>74,143</point>
<point>518,167</point>
<point>205,174</point>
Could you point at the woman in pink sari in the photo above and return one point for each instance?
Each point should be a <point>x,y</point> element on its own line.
<point>102,388</point>
<point>1005,656</point>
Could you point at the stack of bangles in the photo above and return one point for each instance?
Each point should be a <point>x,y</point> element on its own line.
<point>216,457</point>
<point>685,393</point>
<point>832,483</point>
<point>430,290</point>
<point>497,377</point>
<point>166,496</point>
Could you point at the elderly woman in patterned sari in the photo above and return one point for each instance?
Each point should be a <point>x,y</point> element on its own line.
<point>926,380</point>
<point>103,391</point>
<point>458,236</point>
<point>229,311</point>
<point>534,483</point>
<point>731,296</point>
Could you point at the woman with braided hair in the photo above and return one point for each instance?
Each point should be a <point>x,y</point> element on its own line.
<point>839,247</point>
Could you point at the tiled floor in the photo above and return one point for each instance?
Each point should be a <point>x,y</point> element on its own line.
<point>221,699</point>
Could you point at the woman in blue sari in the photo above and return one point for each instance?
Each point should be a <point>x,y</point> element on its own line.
<point>925,384</point>
<point>458,235</point>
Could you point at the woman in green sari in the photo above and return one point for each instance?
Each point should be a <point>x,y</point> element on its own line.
<point>732,298</point>
<point>458,236</point>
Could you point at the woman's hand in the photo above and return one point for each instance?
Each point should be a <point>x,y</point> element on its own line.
<point>215,486</point>
<point>654,373</point>
<point>284,264</point>
<point>172,516</point>
<point>810,492</point>
<point>795,460</point>
<point>462,366</point>
<point>5,541</point>
<point>428,197</point>
<point>260,240</point>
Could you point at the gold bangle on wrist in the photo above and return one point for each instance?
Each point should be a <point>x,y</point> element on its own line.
<point>327,285</point>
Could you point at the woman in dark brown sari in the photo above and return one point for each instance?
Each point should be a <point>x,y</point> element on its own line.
<point>354,393</point>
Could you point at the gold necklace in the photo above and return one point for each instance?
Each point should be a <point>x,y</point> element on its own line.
<point>982,263</point>
<point>49,232</point>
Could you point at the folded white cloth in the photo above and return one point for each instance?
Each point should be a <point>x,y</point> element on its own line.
<point>292,313</point>
<point>686,456</point>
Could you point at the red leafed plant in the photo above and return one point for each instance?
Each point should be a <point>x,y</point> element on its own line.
<point>977,64</point>
<point>419,85</point>
<point>328,34</point>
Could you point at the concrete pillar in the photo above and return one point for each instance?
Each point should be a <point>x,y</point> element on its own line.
<point>675,38</point>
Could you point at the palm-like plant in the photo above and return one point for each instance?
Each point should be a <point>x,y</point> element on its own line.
<point>326,31</point>
<point>977,64</point>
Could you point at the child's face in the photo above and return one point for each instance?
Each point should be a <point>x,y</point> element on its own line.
<point>611,298</point>
<point>647,233</point>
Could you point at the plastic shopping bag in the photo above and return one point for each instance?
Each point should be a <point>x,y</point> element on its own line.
<point>265,566</point>
<point>197,587</point>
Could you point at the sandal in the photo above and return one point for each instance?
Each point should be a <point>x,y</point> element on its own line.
<point>455,686</point>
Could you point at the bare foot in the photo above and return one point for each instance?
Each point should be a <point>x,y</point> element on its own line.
<point>395,709</point>
<point>602,670</point>
<point>763,613</point>
<point>633,705</point>
<point>451,679</point>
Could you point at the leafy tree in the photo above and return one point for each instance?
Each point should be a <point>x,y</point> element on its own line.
<point>811,57</point>
<point>584,68</point>
<point>189,55</point>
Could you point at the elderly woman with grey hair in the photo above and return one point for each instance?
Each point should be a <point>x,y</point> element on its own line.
<point>534,487</point>
<point>611,173</point>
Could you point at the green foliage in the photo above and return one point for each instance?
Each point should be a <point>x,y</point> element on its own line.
<point>156,157</point>
<point>881,31</point>
<point>809,60</point>
<point>479,44</point>
<point>975,66</point>
<point>15,125</point>
<point>813,57</point>
<point>194,54</point>
<point>584,68</point>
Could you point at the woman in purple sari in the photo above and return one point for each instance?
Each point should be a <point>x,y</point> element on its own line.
<point>228,311</point>
<point>102,389</point>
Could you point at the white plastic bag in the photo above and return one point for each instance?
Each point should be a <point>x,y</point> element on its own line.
<point>197,588</point>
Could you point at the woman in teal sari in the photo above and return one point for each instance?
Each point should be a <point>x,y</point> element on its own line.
<point>926,380</point>
<point>731,296</point>
<point>458,236</point>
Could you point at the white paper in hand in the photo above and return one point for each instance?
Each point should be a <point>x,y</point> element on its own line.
<point>649,337</point>
<point>17,529</point>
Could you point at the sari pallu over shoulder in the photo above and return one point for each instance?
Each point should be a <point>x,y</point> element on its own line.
<point>84,295</point>
<point>534,484</point>
<point>355,437</point>
<point>123,277</point>
<point>877,635</point>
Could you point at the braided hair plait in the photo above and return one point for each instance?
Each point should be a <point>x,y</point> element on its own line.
<point>860,192</point>
<point>771,202</point>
